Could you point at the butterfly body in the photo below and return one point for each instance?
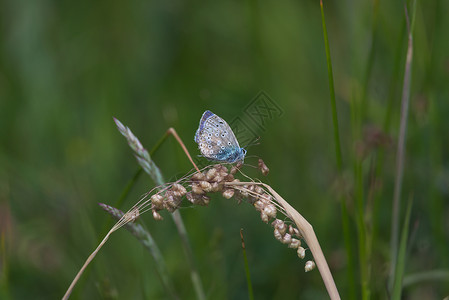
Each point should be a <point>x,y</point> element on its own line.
<point>216,140</point>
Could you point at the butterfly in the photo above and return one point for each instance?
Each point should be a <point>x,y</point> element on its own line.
<point>216,140</point>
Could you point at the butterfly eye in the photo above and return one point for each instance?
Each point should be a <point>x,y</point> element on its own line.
<point>222,135</point>
<point>222,147</point>
<point>210,134</point>
<point>229,143</point>
<point>216,134</point>
<point>210,146</point>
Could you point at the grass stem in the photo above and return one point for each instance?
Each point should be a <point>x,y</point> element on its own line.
<point>400,154</point>
<point>338,155</point>
<point>248,274</point>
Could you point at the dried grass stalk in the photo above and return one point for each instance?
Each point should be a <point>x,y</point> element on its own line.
<point>307,233</point>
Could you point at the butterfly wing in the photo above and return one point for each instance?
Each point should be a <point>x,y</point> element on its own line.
<point>216,140</point>
<point>206,115</point>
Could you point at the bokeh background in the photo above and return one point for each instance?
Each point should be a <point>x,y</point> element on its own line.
<point>68,67</point>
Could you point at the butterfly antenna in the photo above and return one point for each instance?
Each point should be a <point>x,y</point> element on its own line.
<point>253,143</point>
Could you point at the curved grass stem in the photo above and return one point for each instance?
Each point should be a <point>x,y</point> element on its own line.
<point>307,232</point>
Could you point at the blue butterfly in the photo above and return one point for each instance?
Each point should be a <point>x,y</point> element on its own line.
<point>216,140</point>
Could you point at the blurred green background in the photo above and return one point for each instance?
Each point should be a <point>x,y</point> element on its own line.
<point>68,67</point>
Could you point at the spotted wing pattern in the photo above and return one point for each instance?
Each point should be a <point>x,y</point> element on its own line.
<point>216,140</point>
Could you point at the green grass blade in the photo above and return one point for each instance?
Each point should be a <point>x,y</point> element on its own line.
<point>400,156</point>
<point>332,93</point>
<point>345,217</point>
<point>400,266</point>
<point>248,274</point>
<point>422,277</point>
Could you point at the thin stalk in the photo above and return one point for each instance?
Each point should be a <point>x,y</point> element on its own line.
<point>248,275</point>
<point>148,165</point>
<point>400,154</point>
<point>368,221</point>
<point>194,275</point>
<point>307,232</point>
<point>172,131</point>
<point>361,230</point>
<point>400,265</point>
<point>430,276</point>
<point>176,215</point>
<point>86,263</point>
<point>124,195</point>
<point>370,61</point>
<point>338,155</point>
<point>332,92</point>
<point>146,239</point>
<point>386,127</point>
<point>4,277</point>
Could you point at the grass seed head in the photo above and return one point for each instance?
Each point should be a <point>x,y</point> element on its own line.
<point>132,215</point>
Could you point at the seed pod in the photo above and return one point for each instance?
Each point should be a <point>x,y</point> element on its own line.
<point>263,167</point>
<point>264,217</point>
<point>270,211</point>
<point>287,239</point>
<point>157,201</point>
<point>198,176</point>
<point>196,188</point>
<point>228,193</point>
<point>259,206</point>
<point>210,174</point>
<point>179,190</point>
<point>157,216</point>
<point>294,231</point>
<point>216,187</point>
<point>229,178</point>
<point>309,266</point>
<point>295,243</point>
<point>206,186</point>
<point>204,200</point>
<point>277,235</point>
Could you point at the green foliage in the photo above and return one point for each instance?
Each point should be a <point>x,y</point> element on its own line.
<point>67,68</point>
